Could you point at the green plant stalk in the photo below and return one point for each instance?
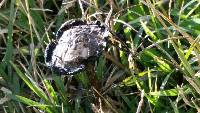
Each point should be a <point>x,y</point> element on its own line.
<point>9,48</point>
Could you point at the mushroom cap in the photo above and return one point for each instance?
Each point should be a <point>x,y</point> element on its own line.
<point>77,42</point>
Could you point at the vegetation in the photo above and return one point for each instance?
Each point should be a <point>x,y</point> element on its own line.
<point>155,67</point>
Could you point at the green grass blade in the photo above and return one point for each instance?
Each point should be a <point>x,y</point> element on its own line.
<point>31,102</point>
<point>51,91</point>
<point>32,85</point>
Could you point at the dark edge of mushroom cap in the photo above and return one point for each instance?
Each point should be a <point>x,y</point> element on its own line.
<point>67,71</point>
<point>49,52</point>
<point>67,25</point>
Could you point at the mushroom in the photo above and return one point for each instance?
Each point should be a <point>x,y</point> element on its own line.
<point>77,43</point>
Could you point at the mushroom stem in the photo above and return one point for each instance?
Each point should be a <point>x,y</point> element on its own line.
<point>90,71</point>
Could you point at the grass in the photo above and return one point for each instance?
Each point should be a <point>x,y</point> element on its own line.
<point>156,69</point>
